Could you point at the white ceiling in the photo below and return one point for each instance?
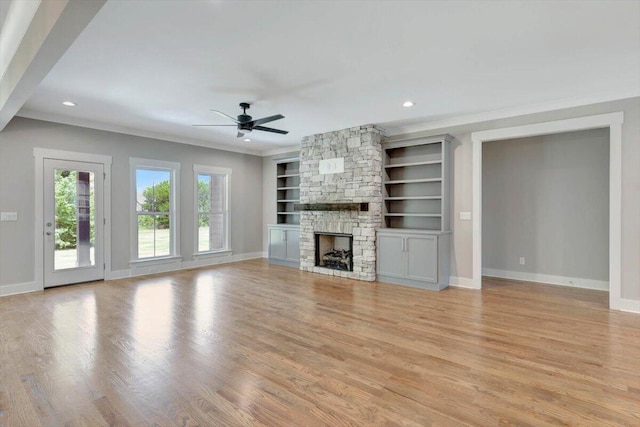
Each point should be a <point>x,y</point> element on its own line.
<point>157,67</point>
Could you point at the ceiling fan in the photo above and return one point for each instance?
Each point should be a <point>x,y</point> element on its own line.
<point>246,124</point>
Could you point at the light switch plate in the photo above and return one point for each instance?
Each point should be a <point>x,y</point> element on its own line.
<point>8,216</point>
<point>465,216</point>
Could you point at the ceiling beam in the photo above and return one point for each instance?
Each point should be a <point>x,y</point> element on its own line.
<point>54,27</point>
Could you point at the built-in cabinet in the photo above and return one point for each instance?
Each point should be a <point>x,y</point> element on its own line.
<point>284,245</point>
<point>287,190</point>
<point>418,259</point>
<point>413,245</point>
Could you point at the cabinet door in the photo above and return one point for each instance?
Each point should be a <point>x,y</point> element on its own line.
<point>391,257</point>
<point>293,245</point>
<point>277,243</point>
<point>422,258</point>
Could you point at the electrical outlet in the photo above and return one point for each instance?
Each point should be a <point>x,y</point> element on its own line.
<point>521,260</point>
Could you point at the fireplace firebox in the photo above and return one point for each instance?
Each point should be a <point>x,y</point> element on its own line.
<point>334,250</point>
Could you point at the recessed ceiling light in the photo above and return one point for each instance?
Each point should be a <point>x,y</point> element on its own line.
<point>247,140</point>
<point>408,104</point>
<point>69,103</point>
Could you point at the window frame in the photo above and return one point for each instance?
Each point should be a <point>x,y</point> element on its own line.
<point>174,208</point>
<point>212,170</point>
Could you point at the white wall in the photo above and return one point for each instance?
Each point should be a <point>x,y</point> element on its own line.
<point>17,189</point>
<point>546,199</point>
<point>462,196</point>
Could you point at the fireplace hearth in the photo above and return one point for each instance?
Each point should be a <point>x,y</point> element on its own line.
<point>334,251</point>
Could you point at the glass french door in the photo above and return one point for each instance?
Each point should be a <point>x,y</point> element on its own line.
<point>73,222</point>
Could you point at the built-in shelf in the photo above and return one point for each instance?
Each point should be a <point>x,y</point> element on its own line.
<point>404,165</point>
<point>413,198</point>
<point>415,183</point>
<point>288,190</point>
<point>412,181</point>
<point>415,214</point>
<point>413,248</point>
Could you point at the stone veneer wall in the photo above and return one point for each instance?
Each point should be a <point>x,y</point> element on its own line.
<point>360,182</point>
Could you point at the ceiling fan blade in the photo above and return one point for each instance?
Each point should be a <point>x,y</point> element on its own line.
<point>240,135</point>
<point>267,119</point>
<point>226,115</point>
<point>214,125</point>
<point>266,129</point>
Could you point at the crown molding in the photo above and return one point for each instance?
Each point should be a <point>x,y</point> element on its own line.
<point>281,150</point>
<point>90,124</point>
<point>393,130</point>
<point>390,130</point>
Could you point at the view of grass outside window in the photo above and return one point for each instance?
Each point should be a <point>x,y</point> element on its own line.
<point>153,209</point>
<point>212,212</point>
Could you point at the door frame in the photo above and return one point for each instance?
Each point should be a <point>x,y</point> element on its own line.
<point>612,121</point>
<point>40,154</point>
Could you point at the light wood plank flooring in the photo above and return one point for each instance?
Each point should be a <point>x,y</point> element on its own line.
<point>252,344</point>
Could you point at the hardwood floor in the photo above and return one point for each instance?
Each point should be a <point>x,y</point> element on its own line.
<point>253,344</point>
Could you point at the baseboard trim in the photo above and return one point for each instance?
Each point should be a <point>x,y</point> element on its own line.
<point>630,305</point>
<point>576,282</point>
<point>18,288</point>
<point>284,263</point>
<point>461,282</point>
<point>182,265</point>
<point>427,286</point>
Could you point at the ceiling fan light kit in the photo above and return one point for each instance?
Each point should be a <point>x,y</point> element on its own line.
<point>246,124</point>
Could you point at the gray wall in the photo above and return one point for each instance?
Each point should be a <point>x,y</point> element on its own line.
<point>17,189</point>
<point>546,199</point>
<point>462,196</point>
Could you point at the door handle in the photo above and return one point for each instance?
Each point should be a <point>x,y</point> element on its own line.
<point>48,233</point>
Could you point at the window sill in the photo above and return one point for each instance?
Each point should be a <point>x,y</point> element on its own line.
<point>155,261</point>
<point>212,254</point>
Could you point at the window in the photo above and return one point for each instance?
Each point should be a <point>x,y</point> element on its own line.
<point>212,209</point>
<point>155,219</point>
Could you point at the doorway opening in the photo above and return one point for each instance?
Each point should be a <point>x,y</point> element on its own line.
<point>72,237</point>
<point>612,121</point>
<point>545,209</point>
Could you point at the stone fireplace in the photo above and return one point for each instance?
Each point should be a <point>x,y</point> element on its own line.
<point>334,199</point>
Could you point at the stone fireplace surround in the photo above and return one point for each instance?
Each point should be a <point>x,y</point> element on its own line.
<point>361,182</point>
